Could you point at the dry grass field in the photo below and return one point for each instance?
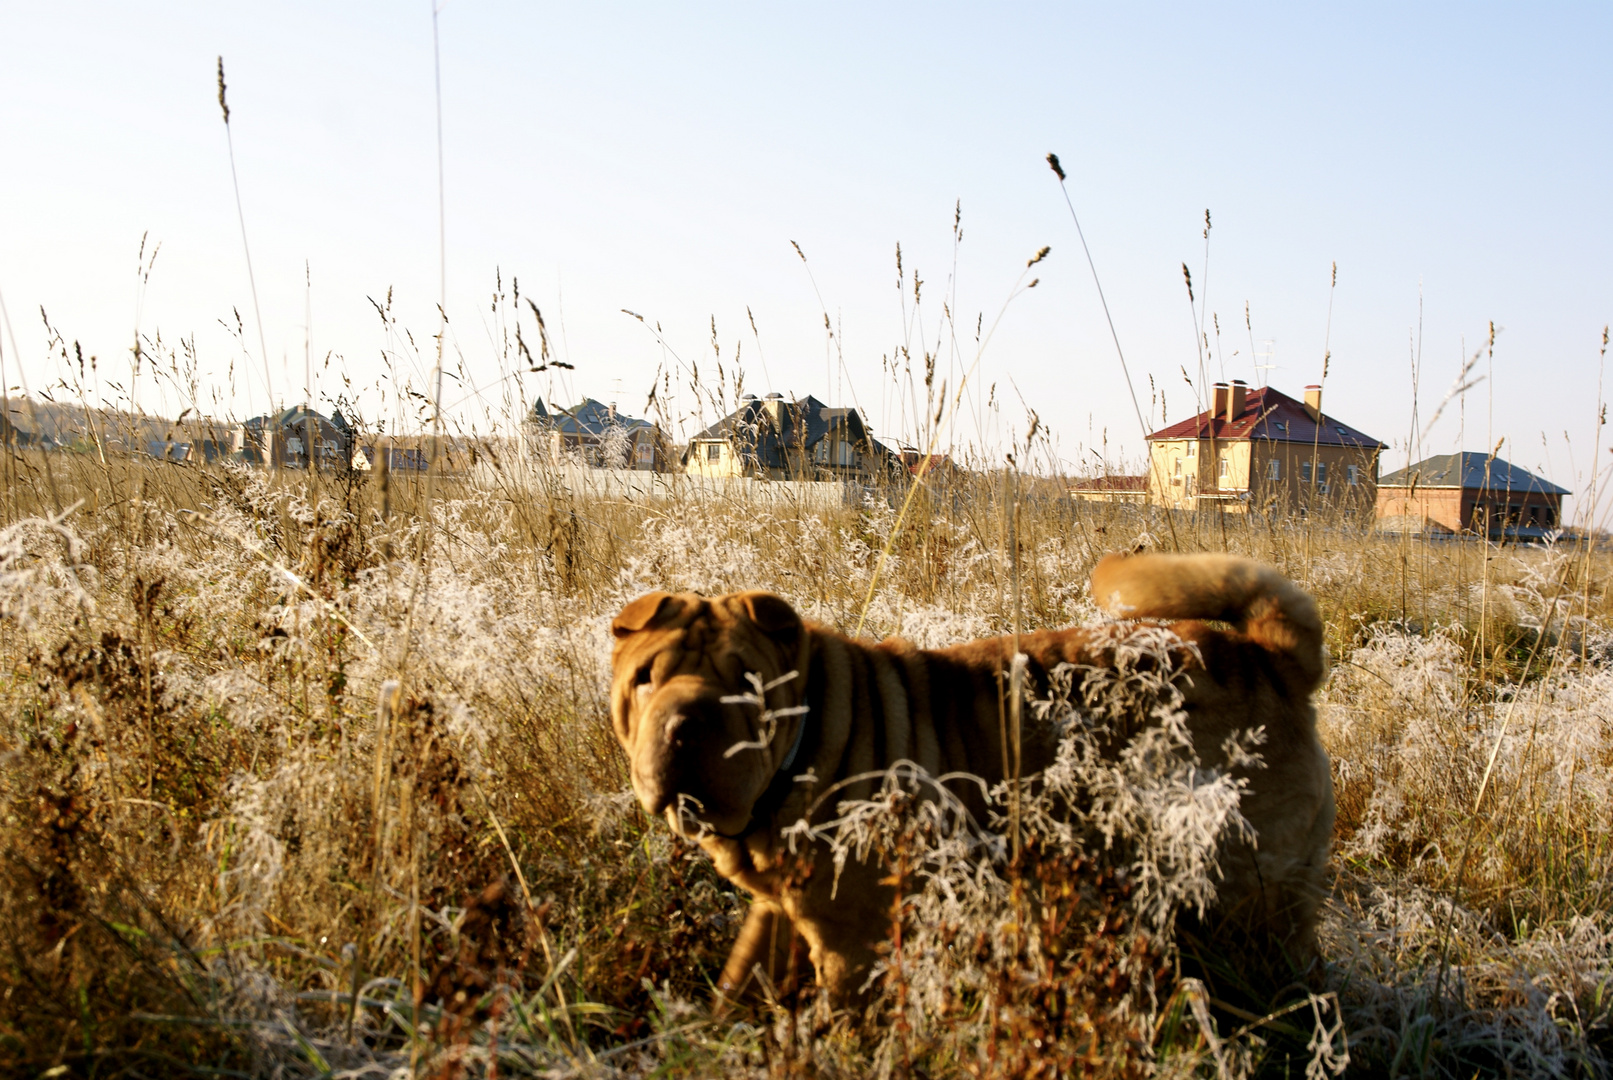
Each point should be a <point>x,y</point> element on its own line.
<point>303,779</point>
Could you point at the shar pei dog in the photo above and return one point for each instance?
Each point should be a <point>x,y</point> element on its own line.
<point>680,661</point>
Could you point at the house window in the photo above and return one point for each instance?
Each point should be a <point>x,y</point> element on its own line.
<point>1305,472</point>
<point>1226,467</point>
<point>714,451</point>
<point>844,455</point>
<point>646,452</point>
<point>820,452</point>
<point>1354,472</point>
<point>1178,467</point>
<point>1192,449</point>
<point>1274,469</point>
<point>1321,474</point>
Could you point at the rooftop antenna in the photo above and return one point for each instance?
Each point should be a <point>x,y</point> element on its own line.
<point>1266,353</point>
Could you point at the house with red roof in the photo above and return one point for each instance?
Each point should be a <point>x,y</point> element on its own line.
<point>934,466</point>
<point>1261,449</point>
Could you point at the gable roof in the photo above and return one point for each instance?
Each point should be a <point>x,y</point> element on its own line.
<point>291,416</point>
<point>1471,469</point>
<point>592,417</point>
<point>801,425</point>
<point>1270,414</point>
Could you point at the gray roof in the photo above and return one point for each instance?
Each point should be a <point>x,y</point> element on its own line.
<point>589,418</point>
<point>1471,470</point>
<point>291,416</point>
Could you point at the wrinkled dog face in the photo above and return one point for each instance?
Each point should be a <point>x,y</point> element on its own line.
<point>675,659</point>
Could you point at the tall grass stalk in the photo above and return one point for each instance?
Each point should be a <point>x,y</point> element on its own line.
<point>1142,426</point>
<point>251,277</point>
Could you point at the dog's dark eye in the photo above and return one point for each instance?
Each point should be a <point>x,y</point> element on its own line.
<point>641,677</point>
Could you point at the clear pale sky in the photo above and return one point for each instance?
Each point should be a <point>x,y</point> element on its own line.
<point>661,158</point>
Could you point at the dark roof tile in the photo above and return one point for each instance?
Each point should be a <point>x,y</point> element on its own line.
<point>593,418</point>
<point>1269,414</point>
<point>1470,469</point>
<point>802,424</point>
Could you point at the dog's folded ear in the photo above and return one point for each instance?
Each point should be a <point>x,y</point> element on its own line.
<point>643,613</point>
<point>772,614</point>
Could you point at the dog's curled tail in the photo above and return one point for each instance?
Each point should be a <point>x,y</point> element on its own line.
<point>1265,606</point>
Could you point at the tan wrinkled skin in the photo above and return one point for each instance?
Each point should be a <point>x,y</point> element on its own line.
<point>677,656</point>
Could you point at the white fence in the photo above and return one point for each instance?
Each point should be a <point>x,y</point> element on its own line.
<point>634,486</point>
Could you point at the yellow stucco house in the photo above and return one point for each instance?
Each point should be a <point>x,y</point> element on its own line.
<point>1261,449</point>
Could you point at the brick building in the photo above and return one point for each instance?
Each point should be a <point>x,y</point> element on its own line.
<point>1470,492</point>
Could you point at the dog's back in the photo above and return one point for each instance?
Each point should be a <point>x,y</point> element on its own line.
<point>1261,674</point>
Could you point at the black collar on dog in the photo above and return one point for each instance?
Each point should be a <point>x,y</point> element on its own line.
<point>795,747</point>
<point>777,791</point>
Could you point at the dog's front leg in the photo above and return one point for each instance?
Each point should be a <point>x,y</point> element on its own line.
<point>760,959</point>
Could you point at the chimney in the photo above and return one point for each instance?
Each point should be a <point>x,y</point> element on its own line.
<point>1218,401</point>
<point>1235,398</point>
<point>1313,401</point>
<point>774,404</point>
